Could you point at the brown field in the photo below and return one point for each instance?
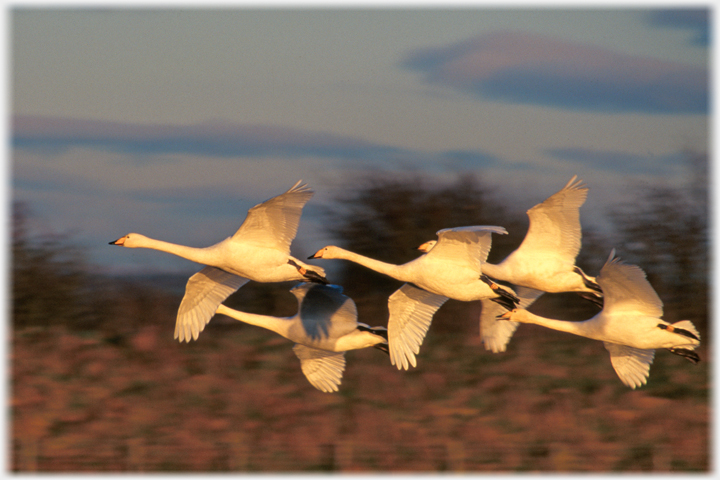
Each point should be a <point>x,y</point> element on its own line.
<point>236,401</point>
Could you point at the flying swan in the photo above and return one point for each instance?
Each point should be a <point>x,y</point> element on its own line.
<point>324,328</point>
<point>259,251</point>
<point>629,324</point>
<point>544,261</point>
<point>452,269</point>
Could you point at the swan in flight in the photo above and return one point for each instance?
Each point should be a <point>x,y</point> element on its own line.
<point>452,269</point>
<point>259,251</point>
<point>324,328</point>
<point>496,333</point>
<point>545,260</point>
<point>629,324</point>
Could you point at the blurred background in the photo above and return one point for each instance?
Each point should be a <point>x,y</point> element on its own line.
<point>173,122</point>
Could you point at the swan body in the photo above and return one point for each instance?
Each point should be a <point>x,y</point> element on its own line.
<point>545,260</point>
<point>629,323</point>
<point>324,328</point>
<point>258,251</point>
<point>451,269</point>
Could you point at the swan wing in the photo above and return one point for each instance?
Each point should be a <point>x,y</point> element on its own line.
<point>497,333</point>
<point>323,369</point>
<point>631,364</point>
<point>324,311</point>
<point>411,311</point>
<point>274,223</point>
<point>464,245</point>
<point>555,224</point>
<point>204,292</point>
<point>626,289</point>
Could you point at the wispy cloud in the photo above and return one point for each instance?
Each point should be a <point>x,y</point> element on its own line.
<point>697,20</point>
<point>615,161</point>
<point>56,135</point>
<point>534,69</point>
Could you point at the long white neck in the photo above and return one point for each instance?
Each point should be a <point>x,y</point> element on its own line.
<point>584,328</point>
<point>395,271</point>
<point>198,255</point>
<point>278,325</point>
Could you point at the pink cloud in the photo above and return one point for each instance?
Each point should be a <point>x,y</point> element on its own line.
<point>529,68</point>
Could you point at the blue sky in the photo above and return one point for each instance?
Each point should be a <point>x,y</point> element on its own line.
<point>173,122</point>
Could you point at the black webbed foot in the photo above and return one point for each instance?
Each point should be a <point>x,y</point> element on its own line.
<point>687,354</point>
<point>310,275</point>
<point>596,299</point>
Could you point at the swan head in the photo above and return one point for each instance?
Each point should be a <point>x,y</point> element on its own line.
<point>131,240</point>
<point>427,246</point>
<point>326,252</point>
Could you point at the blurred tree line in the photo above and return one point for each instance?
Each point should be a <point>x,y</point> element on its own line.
<point>664,231</point>
<point>53,284</point>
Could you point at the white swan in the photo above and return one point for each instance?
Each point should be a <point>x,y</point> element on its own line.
<point>629,324</point>
<point>496,333</point>
<point>452,269</point>
<point>324,328</point>
<point>545,260</point>
<point>259,251</point>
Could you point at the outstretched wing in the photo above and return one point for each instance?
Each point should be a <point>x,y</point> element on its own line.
<point>274,222</point>
<point>497,333</point>
<point>626,289</point>
<point>324,310</point>
<point>411,311</point>
<point>204,292</point>
<point>555,223</point>
<point>464,245</point>
<point>323,369</point>
<point>631,364</point>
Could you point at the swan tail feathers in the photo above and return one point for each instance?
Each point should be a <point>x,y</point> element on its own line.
<point>686,327</point>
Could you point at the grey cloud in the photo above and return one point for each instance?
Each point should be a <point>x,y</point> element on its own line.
<point>622,162</point>
<point>697,20</point>
<point>56,135</point>
<point>533,69</point>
